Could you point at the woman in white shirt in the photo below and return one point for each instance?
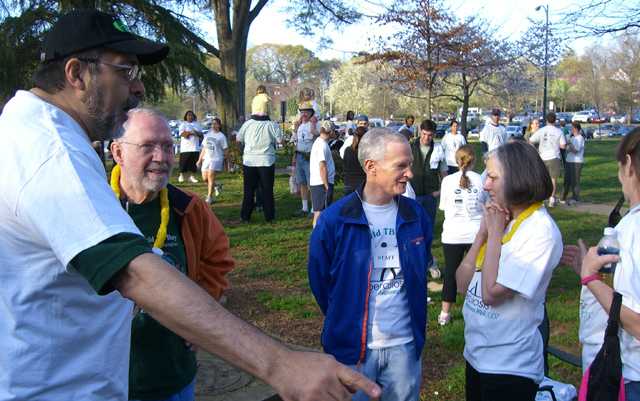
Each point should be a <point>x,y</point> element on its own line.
<point>573,164</point>
<point>505,276</point>
<point>190,132</point>
<point>451,142</point>
<point>626,279</point>
<point>460,195</point>
<point>212,156</point>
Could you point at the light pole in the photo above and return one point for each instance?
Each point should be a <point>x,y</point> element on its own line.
<point>546,61</point>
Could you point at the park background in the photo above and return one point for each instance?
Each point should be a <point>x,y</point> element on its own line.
<point>387,59</point>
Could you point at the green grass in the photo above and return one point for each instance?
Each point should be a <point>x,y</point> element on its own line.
<point>599,181</point>
<point>273,258</point>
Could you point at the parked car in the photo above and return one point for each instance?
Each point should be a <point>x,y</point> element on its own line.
<point>394,125</point>
<point>584,116</point>
<point>513,130</point>
<point>441,129</point>
<point>599,119</point>
<point>376,123</point>
<point>625,129</point>
<point>566,117</point>
<point>618,118</point>
<point>605,130</point>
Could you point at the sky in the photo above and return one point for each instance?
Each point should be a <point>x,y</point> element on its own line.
<point>509,16</point>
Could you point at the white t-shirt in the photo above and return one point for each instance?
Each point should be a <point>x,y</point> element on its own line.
<point>593,321</point>
<point>214,144</point>
<point>462,208</point>
<point>191,144</point>
<point>389,321</point>
<point>320,151</point>
<point>450,144</point>
<point>60,340</point>
<point>304,138</point>
<point>577,142</point>
<point>504,339</point>
<point>494,136</point>
<point>550,139</point>
<point>626,281</point>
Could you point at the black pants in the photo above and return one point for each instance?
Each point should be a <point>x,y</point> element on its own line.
<point>254,178</point>
<point>572,180</point>
<point>453,255</point>
<point>490,387</point>
<point>452,169</point>
<point>188,162</point>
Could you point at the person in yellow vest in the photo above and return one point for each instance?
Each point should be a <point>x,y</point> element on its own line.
<point>505,276</point>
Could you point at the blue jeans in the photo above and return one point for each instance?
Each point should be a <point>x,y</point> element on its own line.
<point>396,370</point>
<point>186,394</point>
<point>632,391</point>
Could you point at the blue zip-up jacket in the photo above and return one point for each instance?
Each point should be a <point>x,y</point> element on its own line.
<point>340,266</point>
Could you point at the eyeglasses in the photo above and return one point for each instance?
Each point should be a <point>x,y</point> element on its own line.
<point>149,148</point>
<point>132,72</point>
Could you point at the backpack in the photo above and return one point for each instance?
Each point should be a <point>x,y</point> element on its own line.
<point>603,381</point>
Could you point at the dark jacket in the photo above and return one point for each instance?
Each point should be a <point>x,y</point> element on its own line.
<point>425,178</point>
<point>340,267</point>
<point>352,171</point>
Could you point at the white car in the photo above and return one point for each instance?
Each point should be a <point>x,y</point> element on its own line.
<point>513,130</point>
<point>583,116</point>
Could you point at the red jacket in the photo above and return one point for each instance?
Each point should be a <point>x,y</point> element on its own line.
<point>206,245</point>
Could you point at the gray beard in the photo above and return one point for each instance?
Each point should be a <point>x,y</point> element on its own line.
<point>102,126</point>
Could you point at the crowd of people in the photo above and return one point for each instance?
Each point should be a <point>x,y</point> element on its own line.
<point>109,286</point>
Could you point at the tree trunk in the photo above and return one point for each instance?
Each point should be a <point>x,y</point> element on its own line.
<point>429,94</point>
<point>465,106</point>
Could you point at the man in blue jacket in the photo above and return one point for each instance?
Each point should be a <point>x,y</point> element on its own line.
<point>367,270</point>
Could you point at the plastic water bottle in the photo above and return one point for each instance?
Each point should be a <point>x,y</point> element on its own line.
<point>609,245</point>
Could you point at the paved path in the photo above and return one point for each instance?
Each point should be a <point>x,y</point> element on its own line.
<point>594,208</point>
<point>219,381</point>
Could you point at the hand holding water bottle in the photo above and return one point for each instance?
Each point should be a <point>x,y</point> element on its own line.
<point>601,258</point>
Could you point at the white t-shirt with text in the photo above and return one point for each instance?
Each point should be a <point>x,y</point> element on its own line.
<point>493,136</point>
<point>304,138</point>
<point>450,144</point>
<point>626,281</point>
<point>192,143</point>
<point>462,208</point>
<point>320,152</point>
<point>214,144</point>
<point>550,138</point>
<point>389,321</point>
<point>577,144</point>
<point>504,338</point>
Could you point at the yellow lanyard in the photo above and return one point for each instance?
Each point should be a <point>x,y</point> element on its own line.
<point>161,235</point>
<point>507,237</point>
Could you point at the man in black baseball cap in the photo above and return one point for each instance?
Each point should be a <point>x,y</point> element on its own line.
<point>73,263</point>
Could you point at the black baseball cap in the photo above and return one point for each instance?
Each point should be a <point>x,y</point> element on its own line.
<point>496,112</point>
<point>82,30</point>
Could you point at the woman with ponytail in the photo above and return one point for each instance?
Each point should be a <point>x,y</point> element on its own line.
<point>460,196</point>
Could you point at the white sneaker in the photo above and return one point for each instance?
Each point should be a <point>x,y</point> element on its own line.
<point>444,318</point>
<point>208,199</point>
<point>193,179</point>
<point>552,202</point>
<point>217,191</point>
<point>180,178</point>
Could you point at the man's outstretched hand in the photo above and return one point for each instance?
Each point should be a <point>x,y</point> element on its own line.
<point>314,376</point>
